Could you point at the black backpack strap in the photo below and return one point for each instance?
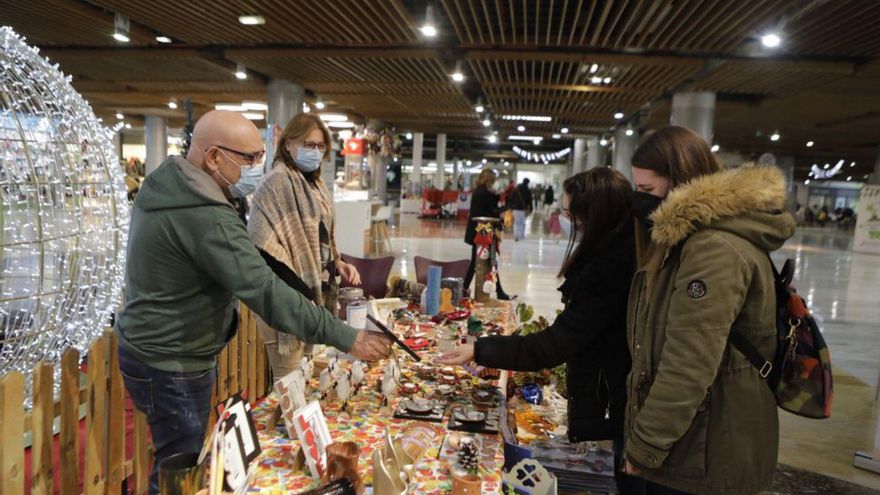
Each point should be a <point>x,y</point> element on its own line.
<point>743,345</point>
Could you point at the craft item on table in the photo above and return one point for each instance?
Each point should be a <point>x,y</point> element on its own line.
<point>454,284</point>
<point>233,444</point>
<point>471,420</point>
<point>409,388</point>
<point>388,383</point>
<point>325,382</point>
<point>529,476</point>
<point>466,473</point>
<point>423,302</point>
<point>345,297</point>
<point>384,329</point>
<point>343,390</point>
<point>444,389</point>
<point>342,463</point>
<point>532,394</point>
<point>356,313</point>
<point>307,367</point>
<point>387,476</point>
<point>474,326</point>
<point>421,410</point>
<point>493,329</point>
<point>465,302</point>
<point>417,344</point>
<point>291,396</point>
<point>358,373</point>
<point>432,298</point>
<point>384,309</point>
<point>311,429</point>
<point>408,290</point>
<point>531,426</point>
<point>446,301</point>
<point>239,413</point>
<point>415,441</point>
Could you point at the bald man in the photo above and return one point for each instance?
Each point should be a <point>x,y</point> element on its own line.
<point>189,259</point>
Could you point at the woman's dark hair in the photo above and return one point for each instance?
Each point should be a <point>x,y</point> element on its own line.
<point>676,153</point>
<point>486,178</point>
<point>296,130</point>
<point>600,201</point>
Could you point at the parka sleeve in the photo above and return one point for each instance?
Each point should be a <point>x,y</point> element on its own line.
<point>708,293</point>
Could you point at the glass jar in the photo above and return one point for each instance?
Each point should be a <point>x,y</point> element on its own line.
<point>344,298</point>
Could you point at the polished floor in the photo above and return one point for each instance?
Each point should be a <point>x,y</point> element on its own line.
<point>842,289</point>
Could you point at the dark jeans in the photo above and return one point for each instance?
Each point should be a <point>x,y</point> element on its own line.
<point>469,277</point>
<point>177,406</point>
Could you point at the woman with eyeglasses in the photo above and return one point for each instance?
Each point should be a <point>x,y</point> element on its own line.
<point>291,223</point>
<point>590,333</point>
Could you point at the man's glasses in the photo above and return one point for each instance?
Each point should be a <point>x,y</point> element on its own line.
<point>250,159</point>
<point>314,146</point>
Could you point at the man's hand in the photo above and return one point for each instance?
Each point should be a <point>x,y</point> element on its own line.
<point>349,273</point>
<point>460,355</point>
<point>370,346</point>
<point>629,469</point>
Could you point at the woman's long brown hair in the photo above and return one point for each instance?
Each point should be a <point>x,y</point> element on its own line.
<point>600,202</point>
<point>676,153</point>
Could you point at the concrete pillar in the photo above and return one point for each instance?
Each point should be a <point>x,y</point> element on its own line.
<point>328,168</point>
<point>285,99</point>
<point>456,169</point>
<point>579,163</point>
<point>156,139</point>
<point>117,145</point>
<point>624,147</point>
<point>696,111</point>
<point>593,152</point>
<point>416,175</point>
<point>786,164</point>
<point>439,180</point>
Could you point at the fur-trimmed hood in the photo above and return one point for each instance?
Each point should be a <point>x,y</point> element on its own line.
<point>747,201</point>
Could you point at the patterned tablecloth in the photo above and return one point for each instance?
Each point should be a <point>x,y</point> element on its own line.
<point>364,423</point>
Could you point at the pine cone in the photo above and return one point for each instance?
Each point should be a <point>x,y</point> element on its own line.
<point>469,456</point>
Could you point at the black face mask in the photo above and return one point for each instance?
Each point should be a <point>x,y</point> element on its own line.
<point>643,205</point>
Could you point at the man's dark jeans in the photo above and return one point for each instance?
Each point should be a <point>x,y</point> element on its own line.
<point>177,406</point>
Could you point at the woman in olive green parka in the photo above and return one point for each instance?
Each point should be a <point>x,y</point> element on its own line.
<point>701,419</point>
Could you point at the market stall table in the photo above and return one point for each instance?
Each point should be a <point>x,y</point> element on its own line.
<point>364,422</point>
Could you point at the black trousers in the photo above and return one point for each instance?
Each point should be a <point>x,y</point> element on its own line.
<point>469,277</point>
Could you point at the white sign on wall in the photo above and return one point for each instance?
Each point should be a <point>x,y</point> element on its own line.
<point>867,237</point>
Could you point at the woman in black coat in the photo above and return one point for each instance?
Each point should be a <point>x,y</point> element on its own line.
<point>590,333</point>
<point>484,203</point>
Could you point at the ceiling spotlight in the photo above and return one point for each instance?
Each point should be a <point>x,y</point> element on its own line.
<point>715,148</point>
<point>849,178</point>
<point>807,182</point>
<point>256,106</point>
<point>596,80</point>
<point>163,39</point>
<point>827,166</point>
<point>128,126</point>
<point>629,132</point>
<point>853,164</point>
<point>240,71</point>
<point>528,118</point>
<point>428,29</point>
<point>409,135</point>
<point>775,137</point>
<point>810,144</point>
<point>119,115</point>
<point>485,161</point>
<point>252,20</point>
<point>564,130</point>
<point>537,141</point>
<point>172,104</point>
<point>479,108</point>
<point>252,115</point>
<point>524,138</point>
<point>492,139</point>
<point>594,68</point>
<point>521,128</point>
<point>607,80</point>
<point>319,105</point>
<point>487,122</point>
<point>457,76</point>
<point>334,117</point>
<point>340,125</point>
<point>306,108</point>
<point>618,115</point>
<point>121,26</point>
<point>557,136</point>
<point>603,142</point>
<point>771,40</point>
<point>469,162</point>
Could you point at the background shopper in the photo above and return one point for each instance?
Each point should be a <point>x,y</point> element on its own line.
<point>520,202</point>
<point>484,203</point>
<point>590,333</point>
<point>292,224</point>
<point>702,420</point>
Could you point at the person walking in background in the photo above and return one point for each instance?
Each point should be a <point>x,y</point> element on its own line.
<point>520,202</point>
<point>549,197</point>
<point>189,262</point>
<point>484,203</point>
<point>590,333</point>
<point>292,224</point>
<point>701,419</point>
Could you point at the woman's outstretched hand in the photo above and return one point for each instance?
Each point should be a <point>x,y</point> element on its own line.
<point>460,355</point>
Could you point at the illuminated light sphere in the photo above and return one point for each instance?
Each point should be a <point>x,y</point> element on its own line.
<point>64,217</point>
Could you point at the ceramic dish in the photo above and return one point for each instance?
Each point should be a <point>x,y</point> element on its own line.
<point>469,416</point>
<point>448,379</point>
<point>409,388</point>
<point>444,389</point>
<point>419,406</point>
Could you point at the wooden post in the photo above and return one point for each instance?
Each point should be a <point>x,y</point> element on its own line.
<point>232,386</point>
<point>12,433</point>
<point>96,420</point>
<point>261,364</point>
<point>253,392</point>
<point>69,403</point>
<point>43,414</point>
<point>142,455</point>
<point>116,428</point>
<point>243,349</point>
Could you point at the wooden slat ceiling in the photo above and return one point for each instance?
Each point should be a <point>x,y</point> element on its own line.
<point>522,57</point>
